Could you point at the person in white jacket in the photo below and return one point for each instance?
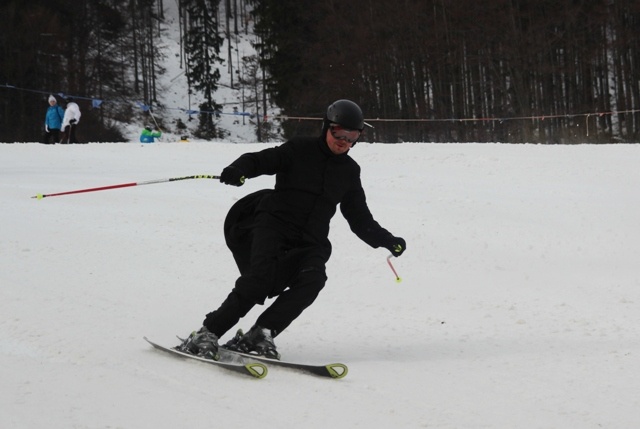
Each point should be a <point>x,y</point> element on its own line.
<point>70,121</point>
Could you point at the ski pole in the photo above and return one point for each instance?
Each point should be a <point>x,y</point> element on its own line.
<point>398,279</point>
<point>126,185</point>
<point>155,122</point>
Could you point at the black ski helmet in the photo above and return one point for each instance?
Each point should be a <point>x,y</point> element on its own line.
<point>345,113</point>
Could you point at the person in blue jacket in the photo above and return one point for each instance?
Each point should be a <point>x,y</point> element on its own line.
<point>52,122</point>
<point>148,136</point>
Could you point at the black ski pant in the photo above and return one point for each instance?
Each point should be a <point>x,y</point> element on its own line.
<point>50,135</point>
<point>272,263</point>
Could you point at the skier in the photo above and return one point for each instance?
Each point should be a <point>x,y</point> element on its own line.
<point>70,121</point>
<point>52,121</point>
<point>148,136</point>
<point>279,237</point>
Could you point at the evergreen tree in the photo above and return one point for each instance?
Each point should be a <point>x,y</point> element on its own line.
<point>202,50</point>
<point>286,30</point>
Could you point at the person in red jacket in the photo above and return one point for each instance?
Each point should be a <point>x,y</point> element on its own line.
<point>279,237</point>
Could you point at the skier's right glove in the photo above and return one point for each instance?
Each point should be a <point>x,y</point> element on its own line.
<point>232,176</point>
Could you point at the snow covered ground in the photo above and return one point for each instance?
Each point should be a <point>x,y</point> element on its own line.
<point>518,306</point>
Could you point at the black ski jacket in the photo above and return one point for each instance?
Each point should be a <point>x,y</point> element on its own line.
<point>310,182</point>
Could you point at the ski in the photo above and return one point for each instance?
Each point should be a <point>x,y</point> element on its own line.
<point>332,370</point>
<point>253,369</point>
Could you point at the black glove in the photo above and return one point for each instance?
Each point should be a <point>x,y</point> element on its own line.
<point>232,176</point>
<point>395,245</point>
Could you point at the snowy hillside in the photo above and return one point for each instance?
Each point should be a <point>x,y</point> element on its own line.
<point>518,306</point>
<point>174,95</point>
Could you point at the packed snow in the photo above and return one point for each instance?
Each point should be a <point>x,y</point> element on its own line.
<point>518,306</point>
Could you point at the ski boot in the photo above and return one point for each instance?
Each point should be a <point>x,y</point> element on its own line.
<point>203,343</point>
<point>258,341</point>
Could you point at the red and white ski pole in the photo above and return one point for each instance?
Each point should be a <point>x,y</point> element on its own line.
<point>398,279</point>
<point>126,185</point>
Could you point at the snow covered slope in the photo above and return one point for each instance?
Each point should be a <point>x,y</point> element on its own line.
<point>518,306</point>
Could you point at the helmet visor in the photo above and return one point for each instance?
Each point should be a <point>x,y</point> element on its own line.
<point>340,133</point>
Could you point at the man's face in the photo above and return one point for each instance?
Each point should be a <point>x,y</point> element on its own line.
<point>340,139</point>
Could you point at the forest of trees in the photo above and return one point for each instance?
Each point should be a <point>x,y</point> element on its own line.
<point>101,50</point>
<point>90,49</point>
<point>543,71</point>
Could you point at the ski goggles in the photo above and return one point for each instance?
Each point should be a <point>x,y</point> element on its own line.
<point>341,133</point>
